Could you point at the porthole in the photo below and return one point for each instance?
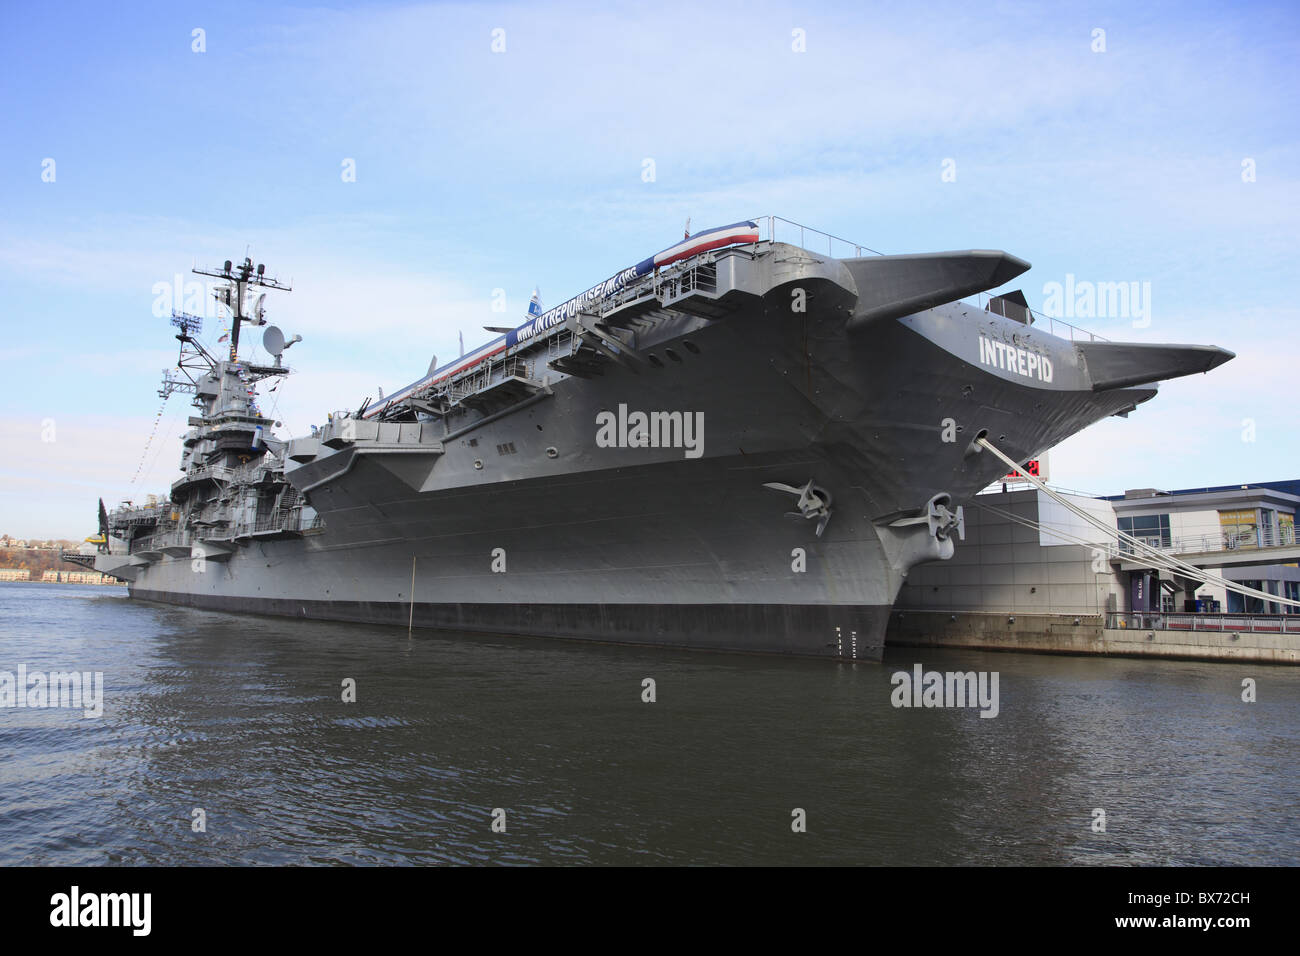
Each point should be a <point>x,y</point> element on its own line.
<point>672,355</point>
<point>691,347</point>
<point>552,452</point>
<point>478,463</point>
<point>655,360</point>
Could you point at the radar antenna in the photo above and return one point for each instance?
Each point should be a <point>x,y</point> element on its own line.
<point>243,277</point>
<point>236,294</point>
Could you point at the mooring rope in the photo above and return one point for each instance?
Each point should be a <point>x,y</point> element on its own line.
<point>1149,554</point>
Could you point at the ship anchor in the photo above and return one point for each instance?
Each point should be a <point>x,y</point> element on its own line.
<point>814,502</point>
<point>941,520</point>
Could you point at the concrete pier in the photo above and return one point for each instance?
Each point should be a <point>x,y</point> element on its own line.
<point>1082,634</point>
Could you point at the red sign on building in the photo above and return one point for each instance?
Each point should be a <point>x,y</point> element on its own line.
<point>1030,467</point>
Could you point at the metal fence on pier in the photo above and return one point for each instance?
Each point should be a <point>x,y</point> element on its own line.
<point>1226,623</point>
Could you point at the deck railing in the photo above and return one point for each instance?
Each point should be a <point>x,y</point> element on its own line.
<point>1250,540</point>
<point>1225,623</point>
<point>1055,326</point>
<point>777,229</point>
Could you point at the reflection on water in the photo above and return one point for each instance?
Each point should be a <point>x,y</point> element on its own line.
<point>243,717</point>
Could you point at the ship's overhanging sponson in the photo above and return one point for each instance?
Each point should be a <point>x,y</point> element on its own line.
<point>736,233</point>
<point>1123,364</point>
<point>890,287</point>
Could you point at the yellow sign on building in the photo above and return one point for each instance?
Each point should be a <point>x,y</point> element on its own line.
<point>1240,528</point>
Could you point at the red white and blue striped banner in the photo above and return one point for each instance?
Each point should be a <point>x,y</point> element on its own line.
<point>704,241</point>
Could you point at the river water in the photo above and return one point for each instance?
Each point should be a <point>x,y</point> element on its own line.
<point>244,719</point>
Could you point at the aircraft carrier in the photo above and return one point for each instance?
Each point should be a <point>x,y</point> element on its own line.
<point>736,444</point>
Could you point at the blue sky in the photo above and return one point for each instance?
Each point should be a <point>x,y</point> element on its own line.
<point>478,170</point>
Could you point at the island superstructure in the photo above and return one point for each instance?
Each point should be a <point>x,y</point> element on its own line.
<point>736,444</point>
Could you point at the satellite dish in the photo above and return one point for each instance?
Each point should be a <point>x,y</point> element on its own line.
<point>273,340</point>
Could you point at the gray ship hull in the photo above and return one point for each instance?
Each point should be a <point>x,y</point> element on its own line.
<point>658,555</point>
<point>520,518</point>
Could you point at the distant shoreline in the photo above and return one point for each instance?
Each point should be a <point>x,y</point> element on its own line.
<point>39,562</point>
<point>105,582</point>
